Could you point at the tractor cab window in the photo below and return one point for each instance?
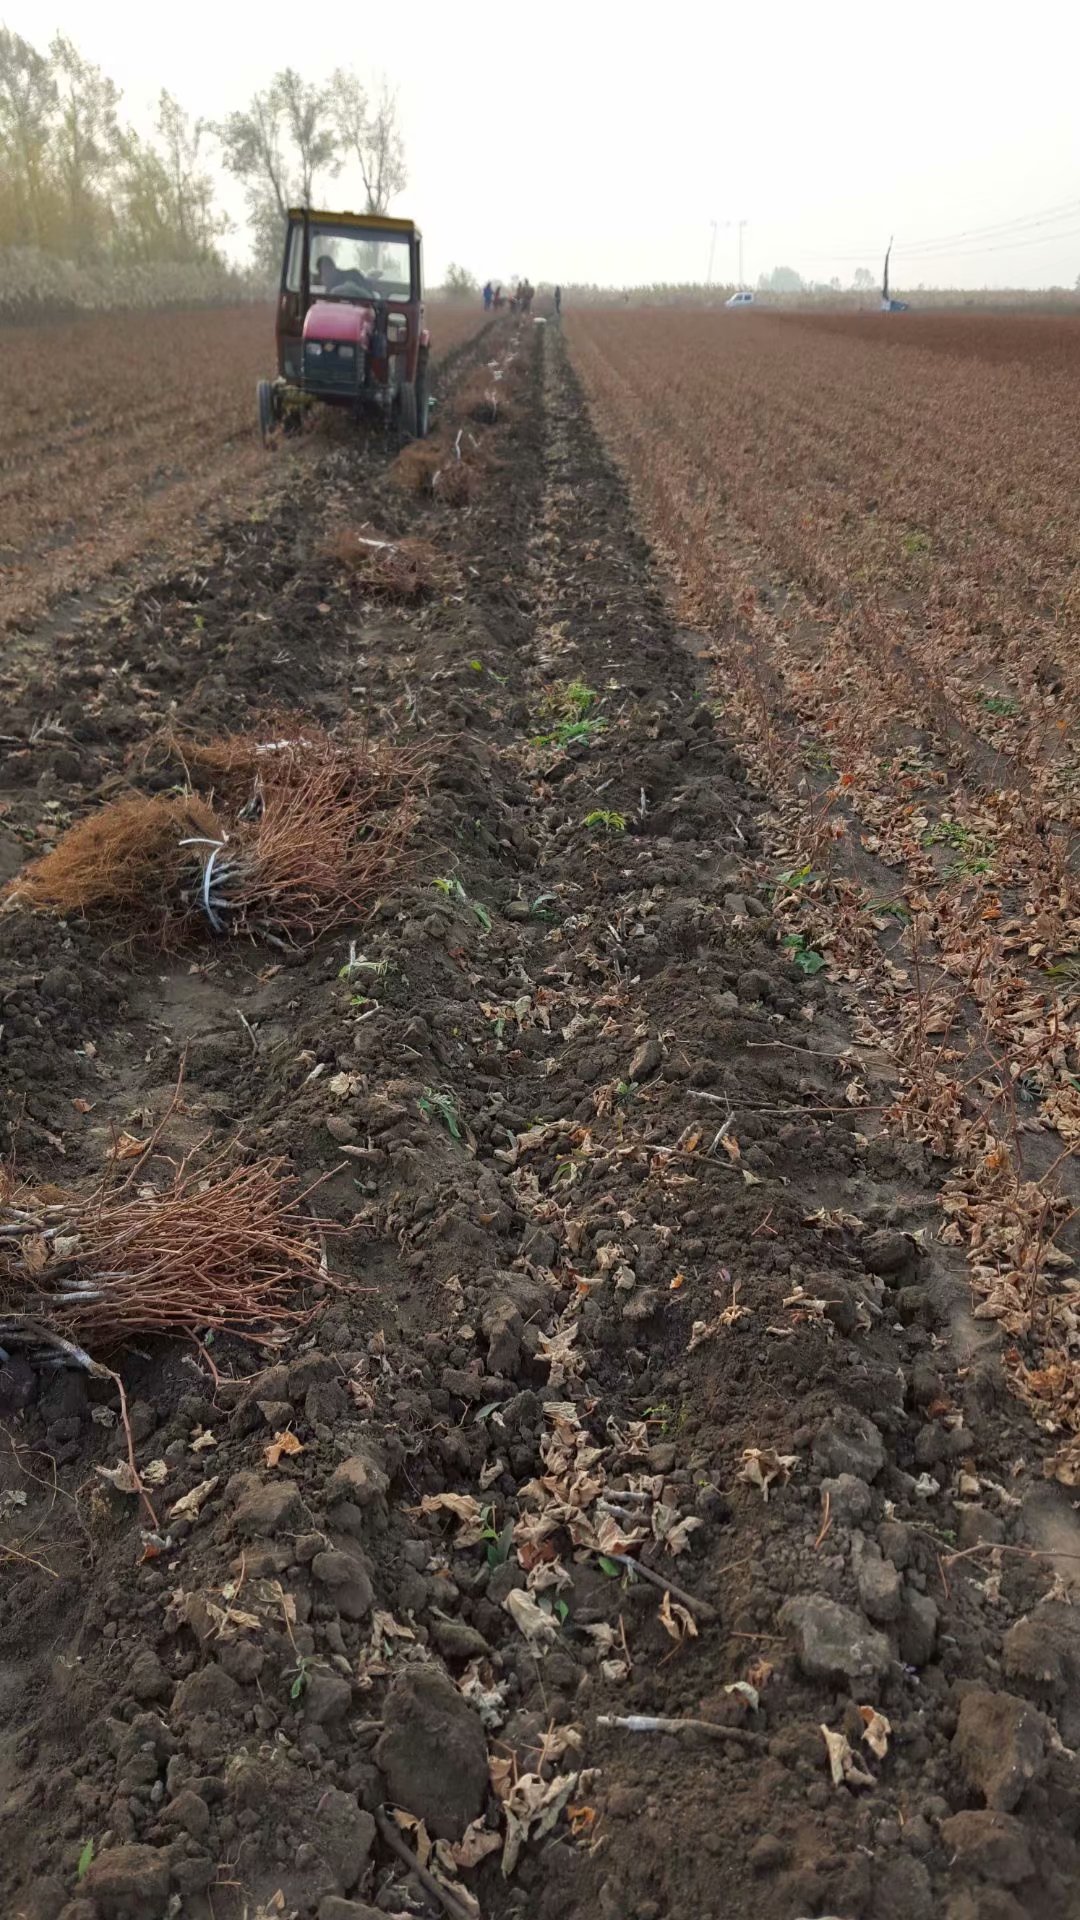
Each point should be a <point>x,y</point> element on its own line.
<point>350,263</point>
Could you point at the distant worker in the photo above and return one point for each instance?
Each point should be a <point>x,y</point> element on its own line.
<point>527,292</point>
<point>498,300</point>
<point>558,300</point>
<point>489,295</point>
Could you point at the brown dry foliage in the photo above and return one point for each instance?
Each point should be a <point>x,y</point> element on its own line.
<point>458,482</point>
<point>483,398</point>
<point>220,1245</point>
<point>305,831</point>
<point>393,569</point>
<point>123,860</point>
<point>415,468</point>
<point>319,852</point>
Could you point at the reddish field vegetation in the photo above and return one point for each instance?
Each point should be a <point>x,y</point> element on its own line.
<point>117,432</point>
<point>875,520</point>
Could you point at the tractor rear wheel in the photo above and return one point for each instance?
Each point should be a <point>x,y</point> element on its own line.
<point>423,396</point>
<point>264,394</point>
<point>407,413</point>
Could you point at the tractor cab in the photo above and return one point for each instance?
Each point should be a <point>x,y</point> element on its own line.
<point>350,327</point>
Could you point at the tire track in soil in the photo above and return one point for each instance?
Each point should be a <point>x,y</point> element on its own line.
<point>584,1240</point>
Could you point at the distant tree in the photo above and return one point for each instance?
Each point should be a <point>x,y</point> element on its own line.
<point>307,114</point>
<point>162,204</point>
<point>27,104</point>
<point>252,148</point>
<point>864,280</point>
<point>194,218</point>
<point>368,129</point>
<point>85,143</point>
<point>277,145</point>
<point>780,280</point>
<point>460,281</point>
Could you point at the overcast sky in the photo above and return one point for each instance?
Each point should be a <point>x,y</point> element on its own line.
<point>588,140</point>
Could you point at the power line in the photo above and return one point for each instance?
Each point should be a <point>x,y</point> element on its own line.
<point>994,233</point>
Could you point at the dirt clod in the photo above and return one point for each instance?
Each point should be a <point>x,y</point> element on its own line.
<point>1000,1742</point>
<point>433,1755</point>
<point>833,1641</point>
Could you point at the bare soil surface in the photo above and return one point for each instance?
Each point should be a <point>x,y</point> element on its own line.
<point>127,432</point>
<point>616,1275</point>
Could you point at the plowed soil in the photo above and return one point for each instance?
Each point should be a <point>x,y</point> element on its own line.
<point>616,1278</point>
<point>124,433</point>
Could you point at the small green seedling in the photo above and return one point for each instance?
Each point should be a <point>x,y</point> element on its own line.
<point>916,542</point>
<point>356,963</point>
<point>440,1106</point>
<point>499,1540</point>
<point>301,1675</point>
<point>805,957</point>
<point>1000,703</point>
<point>568,733</point>
<point>578,698</point>
<point>85,1861</point>
<point>608,821</point>
<point>793,879</point>
<point>451,886</point>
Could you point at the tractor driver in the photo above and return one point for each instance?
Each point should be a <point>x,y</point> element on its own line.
<point>333,280</point>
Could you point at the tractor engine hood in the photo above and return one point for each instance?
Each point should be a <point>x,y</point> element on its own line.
<point>334,320</point>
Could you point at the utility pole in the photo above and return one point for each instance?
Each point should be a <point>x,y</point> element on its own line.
<point>727,225</point>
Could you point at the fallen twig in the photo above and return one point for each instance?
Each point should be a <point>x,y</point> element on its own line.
<point>680,1729</point>
<point>443,1895</point>
<point>699,1607</point>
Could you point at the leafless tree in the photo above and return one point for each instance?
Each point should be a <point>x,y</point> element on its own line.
<point>306,113</point>
<point>368,128</point>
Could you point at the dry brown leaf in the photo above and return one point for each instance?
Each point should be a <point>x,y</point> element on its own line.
<point>876,1731</point>
<point>122,1477</point>
<point>35,1253</point>
<point>126,1147</point>
<point>465,1507</point>
<point>763,1465</point>
<point>282,1443</point>
<point>156,1473</point>
<point>190,1504</point>
<point>677,1621</point>
<point>203,1441</point>
<point>843,1765</point>
<point>731,1147</point>
<point>415,1832</point>
<point>529,1617</point>
<point>476,1843</point>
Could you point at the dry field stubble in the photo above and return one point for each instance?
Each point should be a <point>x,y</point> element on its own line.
<point>872,518</point>
<point>118,432</point>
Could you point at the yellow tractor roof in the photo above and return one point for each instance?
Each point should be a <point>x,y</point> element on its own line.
<point>376,222</point>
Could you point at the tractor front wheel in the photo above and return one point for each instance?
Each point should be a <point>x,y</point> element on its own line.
<point>268,413</point>
<point>423,396</point>
<point>407,410</point>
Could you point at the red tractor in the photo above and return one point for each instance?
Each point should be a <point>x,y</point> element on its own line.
<point>350,326</point>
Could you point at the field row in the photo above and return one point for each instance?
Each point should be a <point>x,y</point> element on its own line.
<point>118,432</point>
<point>883,544</point>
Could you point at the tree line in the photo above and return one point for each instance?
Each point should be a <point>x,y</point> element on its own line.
<point>78,183</point>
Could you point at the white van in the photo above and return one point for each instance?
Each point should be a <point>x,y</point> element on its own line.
<point>740,300</point>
